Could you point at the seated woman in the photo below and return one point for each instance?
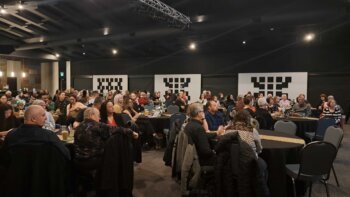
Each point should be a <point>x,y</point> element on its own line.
<point>8,120</point>
<point>332,111</point>
<point>144,125</point>
<point>73,108</point>
<point>109,117</point>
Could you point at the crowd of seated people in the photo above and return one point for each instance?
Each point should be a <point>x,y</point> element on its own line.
<point>82,111</point>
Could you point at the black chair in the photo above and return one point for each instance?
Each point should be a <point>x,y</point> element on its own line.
<point>34,170</point>
<point>322,126</point>
<point>316,161</point>
<point>334,135</point>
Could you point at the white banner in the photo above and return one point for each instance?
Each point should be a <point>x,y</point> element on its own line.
<point>290,83</point>
<point>189,83</point>
<point>104,83</point>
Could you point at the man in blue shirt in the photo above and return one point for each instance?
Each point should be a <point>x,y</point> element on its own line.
<point>213,117</point>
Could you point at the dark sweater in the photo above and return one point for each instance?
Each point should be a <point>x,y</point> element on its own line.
<point>194,129</point>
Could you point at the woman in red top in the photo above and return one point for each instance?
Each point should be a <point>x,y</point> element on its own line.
<point>107,113</point>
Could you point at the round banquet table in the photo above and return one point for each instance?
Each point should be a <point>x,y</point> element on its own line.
<point>304,124</point>
<point>158,123</point>
<point>277,152</point>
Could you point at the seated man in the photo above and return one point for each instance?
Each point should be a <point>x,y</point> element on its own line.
<point>80,117</point>
<point>302,108</point>
<point>195,130</point>
<point>213,118</point>
<point>32,131</point>
<point>50,121</point>
<point>89,139</point>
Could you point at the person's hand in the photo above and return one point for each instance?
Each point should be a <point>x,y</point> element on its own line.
<point>221,130</point>
<point>135,135</point>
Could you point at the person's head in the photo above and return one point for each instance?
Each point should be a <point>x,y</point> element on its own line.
<point>262,102</point>
<point>331,103</point>
<point>269,101</point>
<point>323,97</point>
<point>269,95</point>
<point>72,99</point>
<point>181,94</point>
<point>143,95</point>
<point>276,99</point>
<point>284,97</point>
<point>62,96</point>
<point>242,117</point>
<point>98,102</point>
<point>261,95</point>
<point>330,97</point>
<point>35,115</point>
<point>20,104</point>
<point>40,103</point>
<point>8,94</point>
<point>301,99</point>
<point>45,98</point>
<point>5,111</point>
<point>3,99</point>
<point>92,114</point>
<point>195,111</point>
<point>212,106</point>
<point>246,101</point>
<point>107,108</point>
<point>133,96</point>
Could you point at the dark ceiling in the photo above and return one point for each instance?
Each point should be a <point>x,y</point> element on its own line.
<point>75,28</point>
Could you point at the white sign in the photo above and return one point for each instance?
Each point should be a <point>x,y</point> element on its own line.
<point>290,83</point>
<point>189,83</point>
<point>105,83</point>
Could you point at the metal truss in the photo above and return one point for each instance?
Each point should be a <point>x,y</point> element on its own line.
<point>160,11</point>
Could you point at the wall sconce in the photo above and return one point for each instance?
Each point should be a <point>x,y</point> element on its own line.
<point>1,74</point>
<point>12,74</point>
<point>24,74</point>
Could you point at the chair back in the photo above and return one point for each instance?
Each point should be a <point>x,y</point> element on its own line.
<point>334,135</point>
<point>125,118</point>
<point>317,158</point>
<point>322,126</point>
<point>177,117</point>
<point>172,109</point>
<point>286,126</point>
<point>34,169</point>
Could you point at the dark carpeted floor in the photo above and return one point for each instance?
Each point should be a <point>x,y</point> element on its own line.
<point>153,178</point>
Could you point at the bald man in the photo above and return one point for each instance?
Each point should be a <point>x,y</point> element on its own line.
<point>32,132</point>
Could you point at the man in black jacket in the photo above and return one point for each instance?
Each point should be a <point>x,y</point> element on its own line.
<point>195,130</point>
<point>32,131</point>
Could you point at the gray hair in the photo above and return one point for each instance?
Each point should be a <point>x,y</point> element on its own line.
<point>194,109</point>
<point>262,102</point>
<point>89,112</point>
<point>31,112</point>
<point>38,102</point>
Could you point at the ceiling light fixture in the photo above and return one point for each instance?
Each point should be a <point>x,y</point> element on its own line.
<point>272,29</point>
<point>12,74</point>
<point>24,74</point>
<point>309,37</point>
<point>201,18</point>
<point>84,53</point>
<point>20,5</point>
<point>2,10</point>
<point>57,55</point>
<point>114,51</point>
<point>106,31</point>
<point>192,46</point>
<point>244,42</point>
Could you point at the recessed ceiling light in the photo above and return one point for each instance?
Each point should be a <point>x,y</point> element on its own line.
<point>114,51</point>
<point>20,6</point>
<point>105,31</point>
<point>272,29</point>
<point>57,55</point>
<point>309,37</point>
<point>41,39</point>
<point>192,46</point>
<point>200,18</point>
<point>244,42</point>
<point>84,53</point>
<point>3,11</point>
